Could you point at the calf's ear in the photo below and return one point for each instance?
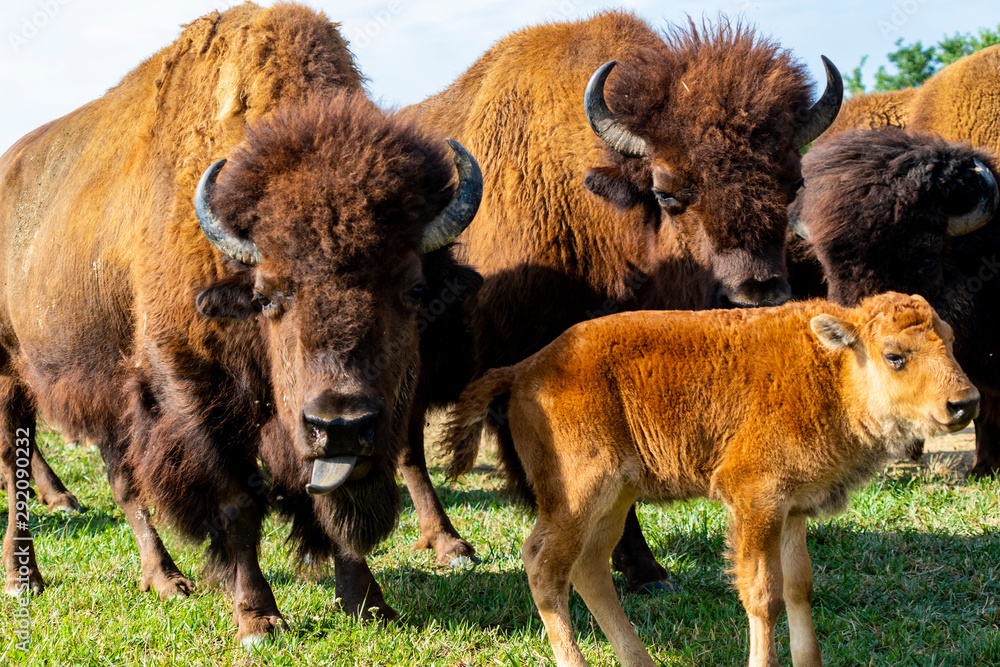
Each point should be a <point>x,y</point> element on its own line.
<point>834,333</point>
<point>609,183</point>
<point>230,298</point>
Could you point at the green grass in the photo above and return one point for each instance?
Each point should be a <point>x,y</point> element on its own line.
<point>907,576</point>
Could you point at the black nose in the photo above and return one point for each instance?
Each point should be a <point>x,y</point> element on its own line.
<point>963,410</point>
<point>756,293</point>
<point>342,424</point>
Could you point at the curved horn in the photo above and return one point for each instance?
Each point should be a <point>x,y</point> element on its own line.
<point>824,112</point>
<point>984,209</point>
<point>796,226</point>
<point>457,215</point>
<point>603,121</point>
<point>231,245</point>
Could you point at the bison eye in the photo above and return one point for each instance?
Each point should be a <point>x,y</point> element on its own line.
<point>928,266</point>
<point>415,295</point>
<point>669,202</point>
<point>895,360</point>
<point>263,304</point>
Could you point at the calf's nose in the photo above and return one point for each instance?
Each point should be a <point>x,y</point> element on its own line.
<point>964,410</point>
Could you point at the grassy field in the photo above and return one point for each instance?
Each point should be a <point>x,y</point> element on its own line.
<point>909,575</point>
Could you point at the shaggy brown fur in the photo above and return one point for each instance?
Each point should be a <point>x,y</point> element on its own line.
<point>959,103</point>
<point>874,111</point>
<point>876,207</point>
<point>718,105</point>
<point>778,413</point>
<point>105,264</point>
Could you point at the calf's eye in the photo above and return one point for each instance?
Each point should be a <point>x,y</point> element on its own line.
<point>895,360</point>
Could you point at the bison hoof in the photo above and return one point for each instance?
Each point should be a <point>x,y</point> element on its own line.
<point>64,502</point>
<point>16,587</point>
<point>451,550</point>
<point>658,588</point>
<point>258,631</point>
<point>464,561</point>
<point>168,585</point>
<point>380,613</point>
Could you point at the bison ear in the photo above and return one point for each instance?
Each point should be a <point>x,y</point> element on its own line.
<point>834,333</point>
<point>230,298</point>
<point>609,183</point>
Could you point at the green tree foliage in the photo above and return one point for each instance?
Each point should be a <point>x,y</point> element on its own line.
<point>915,64</point>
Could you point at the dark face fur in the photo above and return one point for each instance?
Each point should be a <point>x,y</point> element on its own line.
<point>719,114</point>
<point>335,196</point>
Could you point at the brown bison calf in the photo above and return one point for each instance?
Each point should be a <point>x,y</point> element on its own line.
<point>776,412</point>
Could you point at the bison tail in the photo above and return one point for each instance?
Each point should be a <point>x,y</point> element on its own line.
<point>462,432</point>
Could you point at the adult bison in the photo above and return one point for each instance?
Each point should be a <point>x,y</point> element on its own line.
<point>959,103</point>
<point>887,210</point>
<point>667,190</point>
<point>273,316</point>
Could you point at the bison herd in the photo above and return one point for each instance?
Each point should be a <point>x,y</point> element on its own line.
<point>239,278</point>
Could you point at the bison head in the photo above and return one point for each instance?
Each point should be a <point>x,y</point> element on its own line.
<point>326,214</point>
<point>705,135</point>
<point>885,210</point>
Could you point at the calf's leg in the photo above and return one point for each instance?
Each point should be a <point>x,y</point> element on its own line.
<point>436,529</point>
<point>549,553</point>
<point>796,571</point>
<point>17,441</point>
<point>158,569</point>
<point>756,550</point>
<point>592,578</point>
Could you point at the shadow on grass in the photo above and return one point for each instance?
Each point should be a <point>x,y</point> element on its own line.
<point>92,521</point>
<point>451,497</point>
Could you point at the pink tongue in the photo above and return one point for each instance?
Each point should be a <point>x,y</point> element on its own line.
<point>330,473</point>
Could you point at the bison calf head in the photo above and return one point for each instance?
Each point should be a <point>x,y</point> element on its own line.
<point>705,135</point>
<point>899,372</point>
<point>326,212</point>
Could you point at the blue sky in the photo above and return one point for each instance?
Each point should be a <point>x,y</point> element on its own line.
<point>56,55</point>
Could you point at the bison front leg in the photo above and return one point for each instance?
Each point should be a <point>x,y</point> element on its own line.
<point>158,569</point>
<point>436,529</point>
<point>633,558</point>
<point>17,421</point>
<point>51,490</point>
<point>756,550</point>
<point>987,436</point>
<point>796,571</point>
<point>359,593</point>
<point>255,611</point>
